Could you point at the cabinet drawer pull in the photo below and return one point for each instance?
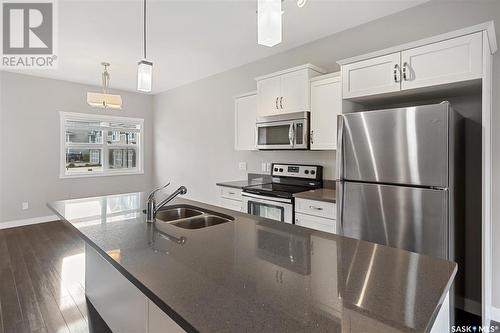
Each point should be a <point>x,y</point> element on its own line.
<point>232,193</point>
<point>316,208</point>
<point>277,102</point>
<point>397,73</point>
<point>281,102</point>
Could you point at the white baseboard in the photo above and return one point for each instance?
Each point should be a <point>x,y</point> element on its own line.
<point>495,314</point>
<point>468,305</point>
<point>33,220</point>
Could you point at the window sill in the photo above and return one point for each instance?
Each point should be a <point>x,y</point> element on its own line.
<point>102,174</point>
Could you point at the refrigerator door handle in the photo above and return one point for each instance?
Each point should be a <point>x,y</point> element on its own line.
<point>340,207</point>
<point>340,158</point>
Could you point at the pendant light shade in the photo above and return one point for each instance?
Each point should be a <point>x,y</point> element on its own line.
<point>144,76</point>
<point>144,67</point>
<point>269,22</point>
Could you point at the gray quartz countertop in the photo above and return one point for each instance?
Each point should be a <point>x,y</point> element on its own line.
<point>259,275</point>
<point>322,194</point>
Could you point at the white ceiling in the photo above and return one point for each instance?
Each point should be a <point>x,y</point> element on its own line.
<point>189,40</point>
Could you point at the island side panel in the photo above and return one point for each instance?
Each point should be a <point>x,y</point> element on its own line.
<point>122,306</point>
<point>442,322</point>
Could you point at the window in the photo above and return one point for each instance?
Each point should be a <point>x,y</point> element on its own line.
<point>95,145</point>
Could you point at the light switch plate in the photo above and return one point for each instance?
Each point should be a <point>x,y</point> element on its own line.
<point>242,165</point>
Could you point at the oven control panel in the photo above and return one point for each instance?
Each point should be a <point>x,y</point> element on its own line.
<point>297,171</point>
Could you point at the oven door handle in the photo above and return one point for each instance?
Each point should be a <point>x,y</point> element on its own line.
<point>262,197</point>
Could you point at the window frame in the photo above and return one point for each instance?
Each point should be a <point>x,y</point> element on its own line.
<point>104,146</point>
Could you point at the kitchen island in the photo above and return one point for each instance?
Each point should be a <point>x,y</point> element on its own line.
<point>248,275</point>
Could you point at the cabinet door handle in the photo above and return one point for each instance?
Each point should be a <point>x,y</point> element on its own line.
<point>281,102</point>
<point>277,280</point>
<point>312,137</point>
<point>281,277</point>
<point>405,66</point>
<point>316,208</point>
<point>277,102</point>
<point>397,73</point>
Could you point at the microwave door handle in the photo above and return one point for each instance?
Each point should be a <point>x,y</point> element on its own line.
<point>291,133</point>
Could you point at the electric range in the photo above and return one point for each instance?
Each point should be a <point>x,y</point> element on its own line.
<point>275,200</point>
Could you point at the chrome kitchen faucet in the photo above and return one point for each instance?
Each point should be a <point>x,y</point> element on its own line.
<point>152,208</point>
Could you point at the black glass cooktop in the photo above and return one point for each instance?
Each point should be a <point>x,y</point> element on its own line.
<point>276,189</point>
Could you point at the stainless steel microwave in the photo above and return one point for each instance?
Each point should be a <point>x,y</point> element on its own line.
<point>284,131</point>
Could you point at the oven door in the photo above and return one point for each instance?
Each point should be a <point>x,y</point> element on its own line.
<point>290,134</point>
<point>279,209</point>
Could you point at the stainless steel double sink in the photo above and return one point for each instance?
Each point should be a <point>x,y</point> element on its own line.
<point>190,217</point>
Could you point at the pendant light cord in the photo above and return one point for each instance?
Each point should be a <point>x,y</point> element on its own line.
<point>144,29</point>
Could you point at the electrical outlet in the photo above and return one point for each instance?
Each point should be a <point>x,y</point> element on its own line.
<point>263,167</point>
<point>242,165</point>
<point>25,205</point>
<point>268,167</point>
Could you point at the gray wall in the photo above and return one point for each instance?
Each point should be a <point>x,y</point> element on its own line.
<point>194,123</point>
<point>29,140</point>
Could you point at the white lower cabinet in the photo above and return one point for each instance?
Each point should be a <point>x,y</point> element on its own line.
<point>124,308</point>
<point>317,223</point>
<point>230,198</point>
<point>314,214</point>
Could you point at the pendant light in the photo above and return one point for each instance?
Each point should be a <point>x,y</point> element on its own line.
<point>104,100</point>
<point>269,22</point>
<point>144,67</point>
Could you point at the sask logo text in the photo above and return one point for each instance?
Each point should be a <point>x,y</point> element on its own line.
<point>28,35</point>
<point>474,329</point>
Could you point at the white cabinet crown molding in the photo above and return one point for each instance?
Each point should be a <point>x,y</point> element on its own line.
<point>489,27</point>
<point>326,76</point>
<point>293,69</point>
<point>250,93</point>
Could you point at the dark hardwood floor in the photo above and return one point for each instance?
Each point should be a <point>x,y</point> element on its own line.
<point>42,273</point>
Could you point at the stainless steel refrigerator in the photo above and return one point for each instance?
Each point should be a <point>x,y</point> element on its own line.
<point>398,177</point>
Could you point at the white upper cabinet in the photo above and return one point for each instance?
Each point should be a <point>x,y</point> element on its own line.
<point>454,60</point>
<point>245,114</point>
<point>268,92</point>
<point>285,91</point>
<point>417,65</point>
<point>295,91</point>
<point>373,76</point>
<point>326,105</point>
